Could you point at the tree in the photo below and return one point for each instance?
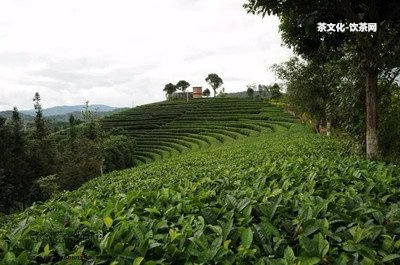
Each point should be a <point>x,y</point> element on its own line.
<point>169,89</point>
<point>263,91</point>
<point>6,187</point>
<point>374,52</point>
<point>275,91</point>
<point>6,193</point>
<point>43,152</point>
<point>182,85</point>
<point>250,92</point>
<point>92,130</point>
<point>87,115</point>
<point>310,87</point>
<point>206,92</point>
<point>17,131</point>
<point>118,152</point>
<point>389,134</point>
<point>15,162</point>
<point>72,127</point>
<point>41,130</point>
<point>215,82</point>
<point>82,156</point>
<point>81,161</point>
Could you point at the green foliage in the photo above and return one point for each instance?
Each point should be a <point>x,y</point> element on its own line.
<point>164,129</point>
<point>376,54</point>
<point>288,197</point>
<point>275,91</point>
<point>263,91</point>
<point>389,124</point>
<point>118,152</point>
<point>72,127</point>
<point>42,151</point>
<point>48,186</point>
<point>81,161</point>
<point>33,169</point>
<point>206,92</point>
<point>15,163</point>
<point>299,28</point>
<point>215,82</point>
<point>309,86</point>
<point>41,130</point>
<point>182,85</point>
<point>7,192</point>
<point>169,89</point>
<point>250,92</point>
<point>334,92</point>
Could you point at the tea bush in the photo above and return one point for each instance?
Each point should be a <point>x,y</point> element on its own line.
<point>288,197</point>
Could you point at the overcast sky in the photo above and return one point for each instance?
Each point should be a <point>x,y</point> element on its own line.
<point>119,52</point>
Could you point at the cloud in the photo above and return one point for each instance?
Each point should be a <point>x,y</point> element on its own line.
<point>124,51</point>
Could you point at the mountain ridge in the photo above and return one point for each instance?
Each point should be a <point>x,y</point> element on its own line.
<point>62,113</point>
<point>65,109</point>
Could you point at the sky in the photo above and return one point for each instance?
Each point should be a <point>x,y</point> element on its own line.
<point>122,52</point>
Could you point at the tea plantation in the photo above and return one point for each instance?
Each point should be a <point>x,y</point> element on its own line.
<point>169,128</point>
<point>277,194</point>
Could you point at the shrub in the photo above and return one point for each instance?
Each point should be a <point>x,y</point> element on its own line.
<point>118,152</point>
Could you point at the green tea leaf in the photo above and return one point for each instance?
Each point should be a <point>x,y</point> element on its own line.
<point>138,261</point>
<point>108,221</point>
<point>246,237</point>
<point>226,244</point>
<point>390,257</point>
<point>289,255</point>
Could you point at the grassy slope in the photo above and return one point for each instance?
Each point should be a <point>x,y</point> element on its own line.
<point>276,198</point>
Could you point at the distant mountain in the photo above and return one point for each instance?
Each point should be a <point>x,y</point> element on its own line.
<point>62,110</point>
<point>8,113</point>
<point>78,115</point>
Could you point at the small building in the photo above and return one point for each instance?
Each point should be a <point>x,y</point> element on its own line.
<point>197,92</point>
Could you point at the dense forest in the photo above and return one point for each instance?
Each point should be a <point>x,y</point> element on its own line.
<point>36,165</point>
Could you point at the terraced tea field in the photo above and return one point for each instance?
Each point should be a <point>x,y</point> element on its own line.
<point>278,194</point>
<point>169,128</point>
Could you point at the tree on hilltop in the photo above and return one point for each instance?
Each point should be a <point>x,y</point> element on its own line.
<point>250,92</point>
<point>215,82</point>
<point>275,91</point>
<point>182,85</point>
<point>169,89</point>
<point>206,92</point>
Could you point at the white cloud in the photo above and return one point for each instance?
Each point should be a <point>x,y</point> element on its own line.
<point>118,51</point>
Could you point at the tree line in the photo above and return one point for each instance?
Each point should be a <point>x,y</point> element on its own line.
<point>212,79</point>
<point>264,91</point>
<point>343,78</point>
<point>34,165</point>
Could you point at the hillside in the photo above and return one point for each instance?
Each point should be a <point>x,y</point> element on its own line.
<point>278,194</point>
<point>169,128</point>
